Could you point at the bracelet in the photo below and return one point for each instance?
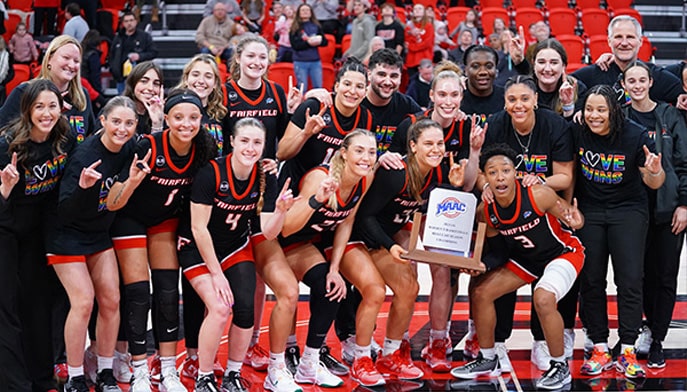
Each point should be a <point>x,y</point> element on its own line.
<point>155,129</point>
<point>542,180</point>
<point>313,203</point>
<point>656,174</point>
<point>485,186</point>
<point>567,108</point>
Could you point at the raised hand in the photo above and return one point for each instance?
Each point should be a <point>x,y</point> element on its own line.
<point>139,168</point>
<point>516,46</point>
<point>652,162</point>
<point>155,107</point>
<point>285,199</point>
<point>326,190</point>
<point>456,173</point>
<point>270,166</point>
<point>89,176</point>
<point>567,91</point>
<point>294,96</point>
<point>571,214</point>
<point>9,176</point>
<point>477,133</point>
<point>314,124</point>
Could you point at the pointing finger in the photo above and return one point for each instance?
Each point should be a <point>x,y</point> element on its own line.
<point>290,82</point>
<point>322,110</point>
<point>14,159</point>
<point>95,164</point>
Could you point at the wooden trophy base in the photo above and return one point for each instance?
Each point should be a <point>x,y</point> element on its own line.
<point>454,261</point>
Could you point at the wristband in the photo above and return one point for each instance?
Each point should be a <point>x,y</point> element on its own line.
<point>567,108</point>
<point>313,203</point>
<point>656,174</point>
<point>542,180</point>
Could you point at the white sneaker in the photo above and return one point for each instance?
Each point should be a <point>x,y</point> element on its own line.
<point>569,342</point>
<point>280,379</point>
<point>504,361</point>
<point>310,372</point>
<point>140,382</point>
<point>348,350</point>
<point>375,348</point>
<point>121,367</point>
<point>169,382</point>
<point>540,355</point>
<point>643,343</point>
<point>90,365</point>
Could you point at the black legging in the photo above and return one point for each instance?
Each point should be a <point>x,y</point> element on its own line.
<point>322,310</point>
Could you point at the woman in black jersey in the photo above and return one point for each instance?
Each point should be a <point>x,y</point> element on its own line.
<point>250,94</point>
<point>543,141</point>
<point>144,87</point>
<point>144,232</point>
<point>316,231</point>
<point>215,249</point>
<point>201,75</point>
<point>667,210</point>
<point>34,152</point>
<point>614,163</point>
<point>79,246</point>
<point>381,225</point>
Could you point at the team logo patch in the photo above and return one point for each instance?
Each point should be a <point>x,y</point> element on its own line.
<point>232,96</point>
<point>454,142</point>
<point>160,161</point>
<point>254,194</point>
<point>526,214</point>
<point>223,186</point>
<point>451,207</point>
<point>355,199</point>
<point>327,118</point>
<point>269,100</point>
<point>494,220</point>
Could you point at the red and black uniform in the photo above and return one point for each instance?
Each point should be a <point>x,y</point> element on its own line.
<point>456,136</point>
<point>319,230</point>
<point>388,207</point>
<point>234,205</point>
<point>534,238</point>
<point>154,208</point>
<point>29,289</point>
<point>83,227</point>
<point>267,104</point>
<point>320,148</point>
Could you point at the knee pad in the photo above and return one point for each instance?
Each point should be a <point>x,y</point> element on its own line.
<point>136,315</point>
<point>166,309</point>
<point>316,279</point>
<point>241,278</point>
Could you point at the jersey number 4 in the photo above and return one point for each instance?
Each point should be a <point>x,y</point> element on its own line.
<point>232,221</point>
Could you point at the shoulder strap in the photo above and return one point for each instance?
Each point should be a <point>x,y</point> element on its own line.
<point>215,167</point>
<point>276,96</point>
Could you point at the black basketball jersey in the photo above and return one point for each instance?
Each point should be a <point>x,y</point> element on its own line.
<point>160,195</point>
<point>534,237</point>
<point>319,148</point>
<point>267,104</point>
<point>234,203</point>
<point>325,220</point>
<point>388,205</point>
<point>456,136</point>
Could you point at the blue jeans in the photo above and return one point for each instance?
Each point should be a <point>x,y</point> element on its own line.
<point>303,69</point>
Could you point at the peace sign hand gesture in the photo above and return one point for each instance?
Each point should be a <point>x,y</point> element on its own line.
<point>314,124</point>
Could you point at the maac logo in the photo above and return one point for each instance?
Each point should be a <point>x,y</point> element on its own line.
<point>451,207</point>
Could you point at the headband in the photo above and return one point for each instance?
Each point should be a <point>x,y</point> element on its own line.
<point>183,98</point>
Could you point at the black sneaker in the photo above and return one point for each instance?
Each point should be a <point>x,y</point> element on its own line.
<point>206,384</point>
<point>77,384</point>
<point>657,359</point>
<point>479,367</point>
<point>331,363</point>
<point>233,382</point>
<point>556,377</point>
<point>106,382</point>
<point>292,358</point>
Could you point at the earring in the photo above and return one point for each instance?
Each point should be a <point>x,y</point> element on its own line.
<point>49,67</point>
<point>536,106</point>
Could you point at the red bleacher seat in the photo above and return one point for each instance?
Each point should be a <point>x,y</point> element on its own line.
<point>280,72</point>
<point>14,18</point>
<point>21,5</point>
<point>116,4</point>
<point>526,16</point>
<point>487,16</point>
<point>491,3</point>
<point>22,73</point>
<point>557,3</point>
<point>595,21</point>
<point>455,15</point>
<point>598,45</point>
<point>562,21</point>
<point>345,43</point>
<point>588,4</point>
<point>401,14</point>
<point>327,52</point>
<point>328,76</point>
<point>523,3</point>
<point>627,11</point>
<point>619,3</point>
<point>572,67</point>
<point>646,51</point>
<point>574,47</point>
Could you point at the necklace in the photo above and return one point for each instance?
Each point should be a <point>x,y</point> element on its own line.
<point>525,147</point>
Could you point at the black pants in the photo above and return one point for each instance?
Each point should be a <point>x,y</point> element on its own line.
<point>14,375</point>
<point>661,266</point>
<point>622,234</point>
<point>333,27</point>
<point>47,14</point>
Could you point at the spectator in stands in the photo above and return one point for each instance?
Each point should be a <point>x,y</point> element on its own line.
<point>390,29</point>
<point>76,26</point>
<point>465,39</point>
<point>539,31</point>
<point>6,70</point>
<point>508,65</point>
<point>238,32</point>
<point>283,26</point>
<point>419,39</point>
<point>376,43</point>
<point>625,39</point>
<point>155,12</point>
<point>89,8</point>
<point>22,46</point>
<point>132,45</point>
<point>215,32</point>
<point>233,8</point>
<point>269,25</point>
<point>90,63</point>
<point>45,14</point>
<point>419,86</point>
<point>499,26</point>
<point>327,12</point>
<point>470,23</point>
<point>253,13</point>
<point>363,29</point>
<point>306,36</point>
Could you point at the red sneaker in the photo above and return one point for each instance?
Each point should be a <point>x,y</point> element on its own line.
<point>61,373</point>
<point>189,368</point>
<point>257,358</point>
<point>398,365</point>
<point>365,373</point>
<point>436,356</point>
<point>471,350</point>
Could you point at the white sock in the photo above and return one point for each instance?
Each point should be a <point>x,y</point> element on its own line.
<point>436,335</point>
<point>559,359</point>
<point>406,335</point>
<point>168,364</point>
<point>311,354</point>
<point>390,346</point>
<point>256,336</point>
<point>602,346</point>
<point>105,362</point>
<point>291,341</point>
<point>233,366</point>
<point>471,329</point>
<point>276,359</point>
<point>75,371</point>
<point>448,328</point>
<point>203,374</point>
<point>488,353</point>
<point>362,351</point>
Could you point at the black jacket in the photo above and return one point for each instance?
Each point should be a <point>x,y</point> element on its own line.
<point>139,42</point>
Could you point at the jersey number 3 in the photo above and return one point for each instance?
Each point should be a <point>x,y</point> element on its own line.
<point>526,242</point>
